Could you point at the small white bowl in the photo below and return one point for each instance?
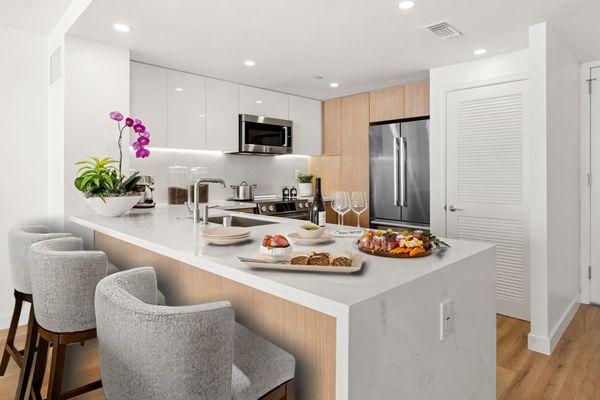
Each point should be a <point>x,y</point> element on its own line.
<point>310,234</point>
<point>275,251</point>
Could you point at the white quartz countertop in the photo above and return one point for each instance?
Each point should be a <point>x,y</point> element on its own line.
<point>167,230</point>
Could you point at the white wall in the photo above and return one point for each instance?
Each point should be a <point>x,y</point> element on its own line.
<point>485,71</point>
<point>96,83</point>
<point>23,83</point>
<point>554,196</point>
<point>269,173</point>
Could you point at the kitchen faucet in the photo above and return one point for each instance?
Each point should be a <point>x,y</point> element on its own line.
<point>196,203</point>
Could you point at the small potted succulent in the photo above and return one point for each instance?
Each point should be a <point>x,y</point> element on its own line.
<point>305,184</point>
<point>106,189</point>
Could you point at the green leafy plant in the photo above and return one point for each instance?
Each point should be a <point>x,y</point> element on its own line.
<point>305,178</point>
<point>100,178</point>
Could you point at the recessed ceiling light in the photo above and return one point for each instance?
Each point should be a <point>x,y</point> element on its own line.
<point>334,84</point>
<point>121,27</point>
<point>479,52</point>
<point>258,101</point>
<point>179,89</point>
<point>406,5</point>
<point>318,77</point>
<point>249,63</point>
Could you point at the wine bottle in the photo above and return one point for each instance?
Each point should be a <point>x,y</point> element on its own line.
<point>317,212</point>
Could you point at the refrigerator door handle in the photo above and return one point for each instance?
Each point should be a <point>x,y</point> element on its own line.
<point>396,172</point>
<point>403,168</point>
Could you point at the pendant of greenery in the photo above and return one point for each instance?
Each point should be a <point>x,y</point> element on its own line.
<point>100,178</point>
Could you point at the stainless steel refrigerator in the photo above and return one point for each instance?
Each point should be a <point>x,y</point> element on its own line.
<point>399,174</point>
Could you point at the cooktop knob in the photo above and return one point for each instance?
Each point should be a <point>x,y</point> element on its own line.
<point>263,209</point>
<point>300,205</point>
<point>271,208</point>
<point>306,204</point>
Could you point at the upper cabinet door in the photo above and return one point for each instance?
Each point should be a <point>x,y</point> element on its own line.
<point>222,128</point>
<point>307,131</point>
<point>332,127</point>
<point>253,100</point>
<point>416,100</point>
<point>277,105</point>
<point>148,100</point>
<point>387,104</point>
<point>186,110</point>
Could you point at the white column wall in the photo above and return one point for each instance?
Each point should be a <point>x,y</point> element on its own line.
<point>23,116</point>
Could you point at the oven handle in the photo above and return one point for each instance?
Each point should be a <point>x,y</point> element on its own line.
<point>285,134</point>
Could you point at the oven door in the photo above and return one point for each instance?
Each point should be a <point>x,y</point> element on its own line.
<point>265,135</point>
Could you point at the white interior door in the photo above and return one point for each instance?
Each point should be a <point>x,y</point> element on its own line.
<point>487,172</point>
<point>595,188</point>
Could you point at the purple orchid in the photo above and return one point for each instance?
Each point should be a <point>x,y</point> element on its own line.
<point>139,128</point>
<point>139,144</point>
<point>142,153</point>
<point>143,140</point>
<point>117,116</point>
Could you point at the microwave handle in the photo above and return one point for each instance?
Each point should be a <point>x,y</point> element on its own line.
<point>285,133</point>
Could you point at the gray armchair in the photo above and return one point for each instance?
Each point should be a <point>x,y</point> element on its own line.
<point>19,241</point>
<point>192,352</point>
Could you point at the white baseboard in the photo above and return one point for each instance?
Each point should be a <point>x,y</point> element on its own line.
<point>5,319</point>
<point>546,345</point>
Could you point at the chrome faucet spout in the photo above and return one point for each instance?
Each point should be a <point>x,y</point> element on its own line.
<point>196,200</point>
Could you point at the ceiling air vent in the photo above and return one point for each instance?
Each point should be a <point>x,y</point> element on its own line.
<point>443,30</point>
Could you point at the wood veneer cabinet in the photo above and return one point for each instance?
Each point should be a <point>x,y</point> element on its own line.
<point>355,149</point>
<point>332,127</point>
<point>386,104</point>
<point>416,100</point>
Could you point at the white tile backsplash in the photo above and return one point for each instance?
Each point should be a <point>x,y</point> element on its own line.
<point>269,173</point>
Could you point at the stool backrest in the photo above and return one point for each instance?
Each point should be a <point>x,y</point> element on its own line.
<point>64,279</point>
<point>150,352</point>
<point>19,241</point>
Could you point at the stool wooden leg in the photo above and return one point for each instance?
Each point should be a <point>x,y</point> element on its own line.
<point>289,390</point>
<point>39,369</point>
<point>12,331</point>
<point>57,369</point>
<point>27,368</point>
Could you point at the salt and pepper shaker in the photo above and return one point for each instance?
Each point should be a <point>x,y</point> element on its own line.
<point>285,193</point>
<point>293,193</point>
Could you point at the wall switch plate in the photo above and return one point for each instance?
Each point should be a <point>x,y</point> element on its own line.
<point>446,318</point>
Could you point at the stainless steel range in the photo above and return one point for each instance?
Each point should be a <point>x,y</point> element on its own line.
<point>278,207</point>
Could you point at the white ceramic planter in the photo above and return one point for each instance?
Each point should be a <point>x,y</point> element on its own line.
<point>114,206</point>
<point>305,189</point>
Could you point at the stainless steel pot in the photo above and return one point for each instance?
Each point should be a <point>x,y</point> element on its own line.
<point>243,191</point>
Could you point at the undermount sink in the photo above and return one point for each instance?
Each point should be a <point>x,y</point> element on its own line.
<point>240,221</point>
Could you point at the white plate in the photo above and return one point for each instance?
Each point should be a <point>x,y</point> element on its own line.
<point>226,232</point>
<point>227,241</point>
<point>325,237</point>
<point>357,264</point>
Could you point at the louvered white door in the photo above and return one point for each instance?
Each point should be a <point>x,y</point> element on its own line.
<point>487,182</point>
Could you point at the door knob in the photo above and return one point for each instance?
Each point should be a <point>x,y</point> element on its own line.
<point>452,208</point>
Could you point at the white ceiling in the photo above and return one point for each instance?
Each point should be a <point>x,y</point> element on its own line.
<point>38,16</point>
<point>362,44</point>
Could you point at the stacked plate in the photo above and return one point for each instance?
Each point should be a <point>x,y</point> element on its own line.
<point>226,235</point>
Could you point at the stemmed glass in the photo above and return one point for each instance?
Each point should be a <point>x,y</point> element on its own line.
<point>340,204</point>
<point>359,204</point>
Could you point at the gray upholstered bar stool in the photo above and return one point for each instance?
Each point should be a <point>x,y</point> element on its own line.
<point>150,352</point>
<point>19,241</point>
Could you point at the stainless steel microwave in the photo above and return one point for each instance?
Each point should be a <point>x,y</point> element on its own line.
<point>263,135</point>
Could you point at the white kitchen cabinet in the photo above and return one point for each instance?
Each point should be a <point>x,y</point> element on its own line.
<point>253,100</point>
<point>148,101</point>
<point>222,130</point>
<point>307,132</point>
<point>186,114</point>
<point>277,105</point>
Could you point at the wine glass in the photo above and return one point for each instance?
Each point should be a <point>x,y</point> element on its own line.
<point>340,204</point>
<point>359,204</point>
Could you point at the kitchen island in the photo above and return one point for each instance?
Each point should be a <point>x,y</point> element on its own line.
<point>370,335</point>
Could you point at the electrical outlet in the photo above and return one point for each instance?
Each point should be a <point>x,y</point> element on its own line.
<point>296,173</point>
<point>446,318</point>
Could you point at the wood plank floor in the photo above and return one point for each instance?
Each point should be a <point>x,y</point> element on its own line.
<point>572,373</point>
